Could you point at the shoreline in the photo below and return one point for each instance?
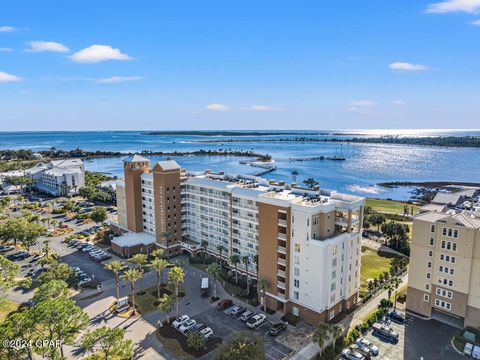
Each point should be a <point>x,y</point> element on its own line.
<point>427,184</point>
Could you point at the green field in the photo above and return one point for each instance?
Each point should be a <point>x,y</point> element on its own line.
<point>6,307</point>
<point>389,206</point>
<point>372,265</point>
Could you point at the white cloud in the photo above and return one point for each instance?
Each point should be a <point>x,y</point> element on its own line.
<point>217,107</point>
<point>405,66</point>
<point>7,29</point>
<point>450,6</point>
<point>118,79</point>
<point>6,77</point>
<point>363,103</point>
<point>4,49</point>
<point>398,102</point>
<point>98,53</point>
<point>42,46</point>
<point>475,22</point>
<point>265,108</point>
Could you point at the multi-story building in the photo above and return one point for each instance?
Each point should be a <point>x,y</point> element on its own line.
<point>444,272</point>
<point>304,242</point>
<point>59,177</point>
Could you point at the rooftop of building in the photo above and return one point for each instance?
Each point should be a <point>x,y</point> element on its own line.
<point>130,239</point>
<point>135,158</point>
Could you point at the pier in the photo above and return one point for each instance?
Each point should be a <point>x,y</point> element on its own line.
<point>331,158</point>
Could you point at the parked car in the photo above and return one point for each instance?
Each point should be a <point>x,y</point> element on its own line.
<point>246,315</point>
<point>365,344</point>
<point>197,327</point>
<point>468,349</point>
<point>21,255</point>
<point>352,355</point>
<point>256,321</point>
<point>207,333</point>
<point>385,333</point>
<point>38,256</point>
<point>87,248</point>
<point>233,308</point>
<point>187,325</point>
<point>397,317</point>
<point>277,328</point>
<point>84,281</point>
<point>224,304</point>
<point>366,353</point>
<point>180,320</point>
<point>5,248</point>
<point>237,310</point>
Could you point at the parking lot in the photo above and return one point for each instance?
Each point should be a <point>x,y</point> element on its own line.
<point>225,326</point>
<point>427,339</point>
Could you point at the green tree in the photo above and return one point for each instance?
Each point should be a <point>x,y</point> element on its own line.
<point>246,262</point>
<point>159,265</point>
<point>115,266</point>
<point>158,253</point>
<point>58,319</point>
<point>176,277</point>
<point>99,214</point>
<point>262,286</point>
<point>139,260</point>
<point>54,289</point>
<point>377,219</point>
<point>19,326</point>
<point>58,271</point>
<point>133,275</point>
<point>195,340</point>
<point>335,331</point>
<point>242,346</point>
<point>221,249</point>
<point>396,281</point>
<point>235,260</point>
<point>166,304</point>
<point>214,270</point>
<point>8,274</point>
<point>21,181</point>
<point>321,334</point>
<point>255,260</point>
<point>310,182</point>
<point>108,343</point>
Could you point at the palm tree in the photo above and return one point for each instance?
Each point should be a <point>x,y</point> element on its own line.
<point>262,286</point>
<point>255,260</point>
<point>389,288</point>
<point>159,265</point>
<point>246,262</point>
<point>175,278</point>
<point>139,260</point>
<point>321,333</point>
<point>115,266</point>
<point>166,304</point>
<point>204,245</point>
<point>235,260</point>
<point>158,253</point>
<point>336,331</point>
<point>396,283</point>
<point>214,270</point>
<point>133,275</point>
<point>294,175</point>
<point>221,249</point>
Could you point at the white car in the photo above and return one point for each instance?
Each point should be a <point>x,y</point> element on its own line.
<point>256,321</point>
<point>366,345</point>
<point>180,320</point>
<point>84,281</point>
<point>246,315</point>
<point>207,333</point>
<point>352,355</point>
<point>187,325</point>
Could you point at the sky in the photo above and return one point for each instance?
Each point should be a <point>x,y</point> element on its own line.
<point>204,64</point>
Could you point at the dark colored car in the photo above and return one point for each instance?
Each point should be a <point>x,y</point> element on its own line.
<point>277,328</point>
<point>397,317</point>
<point>224,304</point>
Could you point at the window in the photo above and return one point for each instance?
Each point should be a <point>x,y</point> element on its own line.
<point>331,315</point>
<point>443,244</point>
<point>333,286</point>
<point>334,262</point>
<point>295,311</point>
<point>454,247</point>
<point>432,241</point>
<point>427,287</point>
<point>334,249</point>
<point>426,297</point>
<point>452,271</point>
<point>429,264</point>
<point>452,259</point>
<point>295,295</point>
<point>444,231</point>
<point>334,274</point>
<point>440,268</point>
<point>428,275</point>
<point>296,271</point>
<point>442,257</point>
<point>297,247</point>
<point>432,228</point>
<point>430,253</point>
<point>296,283</point>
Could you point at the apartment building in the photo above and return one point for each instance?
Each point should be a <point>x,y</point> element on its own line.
<point>305,242</point>
<point>59,177</point>
<point>444,273</point>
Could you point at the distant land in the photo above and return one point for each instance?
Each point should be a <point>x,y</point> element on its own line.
<point>228,133</point>
<point>445,141</point>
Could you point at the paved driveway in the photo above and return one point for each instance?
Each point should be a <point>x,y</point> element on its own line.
<point>225,326</point>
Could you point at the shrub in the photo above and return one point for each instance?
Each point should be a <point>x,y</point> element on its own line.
<point>290,318</point>
<point>384,303</point>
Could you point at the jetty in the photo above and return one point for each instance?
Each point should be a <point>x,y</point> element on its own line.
<point>311,158</point>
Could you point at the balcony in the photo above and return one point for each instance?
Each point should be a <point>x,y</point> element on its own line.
<point>281,285</point>
<point>282,250</point>
<point>282,262</point>
<point>282,222</point>
<point>281,273</point>
<point>282,236</point>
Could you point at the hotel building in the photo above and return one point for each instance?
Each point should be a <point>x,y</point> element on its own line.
<point>444,272</point>
<point>307,240</point>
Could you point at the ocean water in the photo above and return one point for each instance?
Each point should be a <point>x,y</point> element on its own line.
<point>365,166</point>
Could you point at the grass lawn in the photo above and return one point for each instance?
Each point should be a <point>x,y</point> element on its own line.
<point>389,206</point>
<point>6,307</point>
<point>145,302</point>
<point>372,265</point>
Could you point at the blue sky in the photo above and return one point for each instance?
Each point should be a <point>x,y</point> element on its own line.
<point>239,64</point>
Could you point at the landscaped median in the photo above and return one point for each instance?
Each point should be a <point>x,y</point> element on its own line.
<point>468,335</point>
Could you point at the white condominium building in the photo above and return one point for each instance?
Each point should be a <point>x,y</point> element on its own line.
<point>305,242</point>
